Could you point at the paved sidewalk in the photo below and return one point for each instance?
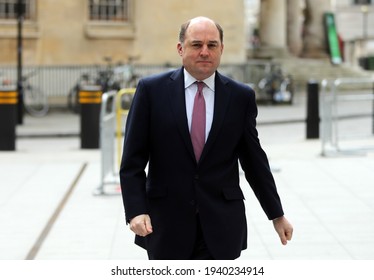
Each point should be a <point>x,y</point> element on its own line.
<point>48,210</point>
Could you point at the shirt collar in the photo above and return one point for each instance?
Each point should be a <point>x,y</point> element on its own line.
<point>189,80</point>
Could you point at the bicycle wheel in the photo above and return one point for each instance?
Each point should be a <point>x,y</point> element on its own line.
<point>73,100</point>
<point>35,101</point>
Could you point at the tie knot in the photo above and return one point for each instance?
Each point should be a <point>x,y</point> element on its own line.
<point>200,86</point>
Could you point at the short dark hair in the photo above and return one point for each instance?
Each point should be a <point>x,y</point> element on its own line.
<point>184,27</point>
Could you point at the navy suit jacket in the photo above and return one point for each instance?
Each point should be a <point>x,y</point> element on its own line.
<point>160,176</point>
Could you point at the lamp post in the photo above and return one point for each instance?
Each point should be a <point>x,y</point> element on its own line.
<point>20,15</point>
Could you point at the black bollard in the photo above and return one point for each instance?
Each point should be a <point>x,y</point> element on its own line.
<point>8,118</point>
<point>90,106</point>
<point>312,119</point>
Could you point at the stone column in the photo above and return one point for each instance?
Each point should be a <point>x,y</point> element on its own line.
<point>314,40</point>
<point>272,24</point>
<point>294,27</point>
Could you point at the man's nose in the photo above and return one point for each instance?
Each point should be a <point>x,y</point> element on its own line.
<point>204,51</point>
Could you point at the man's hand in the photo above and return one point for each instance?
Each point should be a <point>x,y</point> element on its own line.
<point>141,225</point>
<point>283,228</point>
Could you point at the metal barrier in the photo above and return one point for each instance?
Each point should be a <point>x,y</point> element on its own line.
<point>114,109</point>
<point>109,174</point>
<point>124,99</point>
<point>336,140</point>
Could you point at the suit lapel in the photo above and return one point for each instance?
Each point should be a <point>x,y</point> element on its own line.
<point>178,106</point>
<point>221,101</point>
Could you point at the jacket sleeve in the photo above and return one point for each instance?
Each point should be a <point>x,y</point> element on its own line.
<point>135,155</point>
<point>255,165</point>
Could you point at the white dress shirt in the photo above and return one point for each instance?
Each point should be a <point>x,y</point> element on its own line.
<point>208,92</point>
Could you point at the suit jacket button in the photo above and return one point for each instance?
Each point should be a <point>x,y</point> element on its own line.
<point>196,177</point>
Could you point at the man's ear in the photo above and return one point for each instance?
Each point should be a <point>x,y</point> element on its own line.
<point>180,49</point>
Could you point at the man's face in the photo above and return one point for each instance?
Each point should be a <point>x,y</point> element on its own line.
<point>202,49</point>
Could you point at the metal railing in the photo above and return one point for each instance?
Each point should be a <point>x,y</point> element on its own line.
<point>58,81</point>
<point>351,133</point>
<point>109,171</point>
<point>114,109</point>
<point>123,103</point>
<point>52,80</point>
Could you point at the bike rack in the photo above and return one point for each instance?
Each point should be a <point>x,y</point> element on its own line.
<point>124,100</point>
<point>109,174</point>
<point>114,109</point>
<point>333,137</point>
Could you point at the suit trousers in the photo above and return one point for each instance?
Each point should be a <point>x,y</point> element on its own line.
<point>200,250</point>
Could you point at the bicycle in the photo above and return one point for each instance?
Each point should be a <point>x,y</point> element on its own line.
<point>111,78</point>
<point>73,95</point>
<point>126,74</point>
<point>104,78</point>
<point>35,102</point>
<point>277,87</point>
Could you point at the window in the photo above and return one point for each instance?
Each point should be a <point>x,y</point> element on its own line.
<point>9,9</point>
<point>109,10</point>
<point>110,19</point>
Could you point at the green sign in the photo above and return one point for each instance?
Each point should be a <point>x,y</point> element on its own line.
<point>332,38</point>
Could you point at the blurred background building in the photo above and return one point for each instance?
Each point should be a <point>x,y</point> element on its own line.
<point>84,32</point>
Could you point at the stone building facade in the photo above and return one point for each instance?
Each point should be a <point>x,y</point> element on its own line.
<point>78,31</point>
<point>85,31</point>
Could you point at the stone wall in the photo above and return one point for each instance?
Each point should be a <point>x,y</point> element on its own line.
<point>62,34</point>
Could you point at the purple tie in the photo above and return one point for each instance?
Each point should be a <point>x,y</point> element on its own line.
<point>198,121</point>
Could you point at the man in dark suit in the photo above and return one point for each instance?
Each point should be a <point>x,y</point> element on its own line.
<point>181,202</point>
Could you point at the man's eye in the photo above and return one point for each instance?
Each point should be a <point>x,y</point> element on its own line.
<point>196,45</point>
